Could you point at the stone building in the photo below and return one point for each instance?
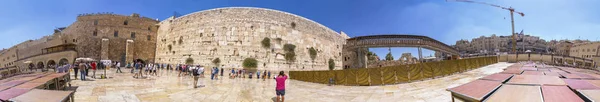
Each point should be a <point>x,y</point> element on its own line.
<point>501,44</point>
<point>7,62</point>
<point>101,36</point>
<point>585,50</point>
<point>463,46</point>
<point>562,47</point>
<point>235,33</point>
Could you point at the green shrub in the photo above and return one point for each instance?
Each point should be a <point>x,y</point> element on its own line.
<point>331,64</point>
<point>266,42</point>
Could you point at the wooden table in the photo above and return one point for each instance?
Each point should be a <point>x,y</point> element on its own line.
<point>474,91</point>
<point>13,83</point>
<point>37,95</point>
<point>557,70</point>
<point>31,85</point>
<point>46,80</point>
<point>571,76</point>
<point>497,77</point>
<point>592,95</point>
<point>516,93</point>
<point>532,73</point>
<point>594,82</point>
<point>529,69</point>
<point>581,84</point>
<point>552,74</point>
<point>536,80</point>
<point>585,76</point>
<point>559,94</point>
<point>11,93</point>
<point>512,71</point>
<point>4,87</point>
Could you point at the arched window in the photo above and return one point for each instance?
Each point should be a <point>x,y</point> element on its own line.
<point>125,23</point>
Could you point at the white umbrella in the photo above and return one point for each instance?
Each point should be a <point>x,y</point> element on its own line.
<point>26,62</point>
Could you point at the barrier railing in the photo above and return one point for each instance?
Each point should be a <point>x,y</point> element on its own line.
<point>393,74</point>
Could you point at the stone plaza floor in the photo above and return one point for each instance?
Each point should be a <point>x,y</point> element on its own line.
<point>168,87</point>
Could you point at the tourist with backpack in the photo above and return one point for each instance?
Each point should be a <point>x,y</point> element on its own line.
<point>196,74</point>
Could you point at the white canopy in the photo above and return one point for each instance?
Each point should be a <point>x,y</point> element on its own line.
<point>84,59</point>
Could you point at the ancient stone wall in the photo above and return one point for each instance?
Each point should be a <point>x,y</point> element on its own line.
<point>88,32</point>
<point>233,34</point>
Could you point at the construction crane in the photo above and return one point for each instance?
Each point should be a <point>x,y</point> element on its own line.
<point>512,21</point>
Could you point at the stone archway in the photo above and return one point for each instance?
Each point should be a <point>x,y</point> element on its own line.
<point>31,66</point>
<point>51,64</point>
<point>63,61</point>
<point>40,65</point>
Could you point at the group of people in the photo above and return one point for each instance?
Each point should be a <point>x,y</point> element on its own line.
<point>241,73</point>
<point>150,69</point>
<point>196,71</point>
<point>83,68</point>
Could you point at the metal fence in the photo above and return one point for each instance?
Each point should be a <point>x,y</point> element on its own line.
<point>393,74</point>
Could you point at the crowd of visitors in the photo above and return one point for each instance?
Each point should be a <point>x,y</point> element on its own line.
<point>141,69</point>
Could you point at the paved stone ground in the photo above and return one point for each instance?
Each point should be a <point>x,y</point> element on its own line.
<point>168,87</point>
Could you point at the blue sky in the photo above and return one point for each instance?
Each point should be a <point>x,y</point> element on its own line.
<point>445,21</point>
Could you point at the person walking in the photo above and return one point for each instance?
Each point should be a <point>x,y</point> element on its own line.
<point>201,71</point>
<point>264,75</point>
<point>118,65</point>
<point>215,72</point>
<point>88,66</point>
<point>232,72</point>
<point>269,74</point>
<point>156,67</point>
<point>132,68</point>
<point>257,74</point>
<point>280,88</point>
<point>76,69</point>
<point>222,70</point>
<point>102,66</point>
<point>93,65</point>
<point>179,68</point>
<point>83,70</point>
<point>135,70</point>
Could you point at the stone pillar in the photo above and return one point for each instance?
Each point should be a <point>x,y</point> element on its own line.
<point>104,49</point>
<point>361,57</point>
<point>129,49</point>
<point>420,54</point>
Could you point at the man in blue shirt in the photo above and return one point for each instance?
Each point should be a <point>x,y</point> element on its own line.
<point>214,73</point>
